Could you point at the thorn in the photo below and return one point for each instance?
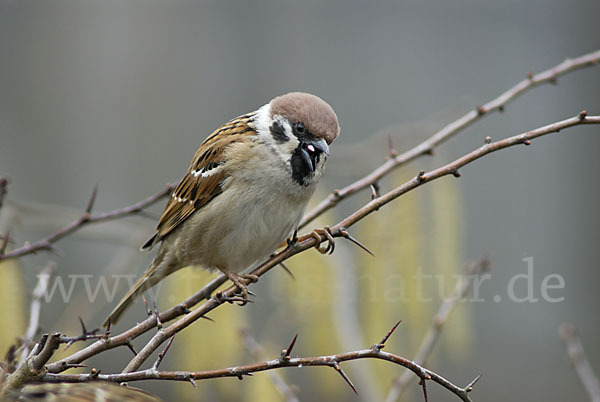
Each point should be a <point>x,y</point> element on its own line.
<point>285,353</point>
<point>488,139</point>
<point>424,386</point>
<point>374,190</point>
<point>526,142</point>
<point>582,115</point>
<point>68,345</point>
<point>83,329</point>
<point>162,354</point>
<point>381,344</point>
<point>421,176</point>
<point>530,75</point>
<point>286,269</point>
<point>345,377</point>
<point>393,152</point>
<point>347,235</point>
<point>52,248</point>
<point>207,318</point>
<point>91,201</point>
<point>456,173</point>
<point>130,346</point>
<point>469,387</point>
<point>148,311</point>
<point>191,380</point>
<point>429,151</point>
<point>481,111</point>
<point>157,315</point>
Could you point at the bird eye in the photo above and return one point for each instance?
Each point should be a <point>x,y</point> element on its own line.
<point>300,127</point>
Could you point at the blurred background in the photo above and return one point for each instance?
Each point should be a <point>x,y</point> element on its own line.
<point>119,94</point>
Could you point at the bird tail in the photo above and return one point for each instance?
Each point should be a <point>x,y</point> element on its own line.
<point>143,284</point>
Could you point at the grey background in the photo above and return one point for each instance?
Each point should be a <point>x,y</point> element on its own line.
<point>120,93</point>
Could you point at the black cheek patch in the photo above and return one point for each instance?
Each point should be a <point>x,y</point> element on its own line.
<point>300,168</point>
<point>278,133</point>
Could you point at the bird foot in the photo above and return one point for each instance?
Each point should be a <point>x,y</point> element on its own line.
<point>321,235</point>
<point>238,280</point>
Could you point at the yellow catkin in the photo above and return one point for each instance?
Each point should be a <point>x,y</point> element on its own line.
<point>204,345</point>
<point>386,282</point>
<point>447,260</point>
<point>13,304</point>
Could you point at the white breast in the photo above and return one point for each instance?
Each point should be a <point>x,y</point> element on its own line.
<point>254,214</point>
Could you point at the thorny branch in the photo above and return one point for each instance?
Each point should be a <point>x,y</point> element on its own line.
<point>47,244</point>
<point>285,360</point>
<point>33,368</point>
<point>463,286</point>
<point>302,243</point>
<point>579,360</point>
<point>46,347</point>
<point>427,146</point>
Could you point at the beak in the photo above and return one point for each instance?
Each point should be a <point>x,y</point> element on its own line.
<point>318,147</point>
<point>311,151</point>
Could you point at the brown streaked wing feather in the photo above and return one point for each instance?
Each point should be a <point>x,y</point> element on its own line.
<point>196,192</point>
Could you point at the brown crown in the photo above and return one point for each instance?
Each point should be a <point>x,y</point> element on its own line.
<point>316,115</point>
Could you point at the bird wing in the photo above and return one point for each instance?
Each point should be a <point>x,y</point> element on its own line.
<point>204,178</point>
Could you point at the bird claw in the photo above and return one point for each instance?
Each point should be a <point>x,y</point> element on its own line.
<point>292,241</point>
<point>232,299</point>
<point>321,235</point>
<point>238,280</point>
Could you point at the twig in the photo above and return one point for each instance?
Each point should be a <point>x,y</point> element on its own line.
<point>332,361</point>
<point>427,146</point>
<point>32,369</point>
<point>309,241</point>
<point>259,353</point>
<point>3,185</point>
<point>47,244</point>
<point>302,243</point>
<point>162,355</point>
<point>36,306</point>
<point>463,286</point>
<point>579,360</point>
<point>86,335</point>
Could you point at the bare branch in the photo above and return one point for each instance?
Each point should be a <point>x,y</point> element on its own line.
<point>579,360</point>
<point>86,335</point>
<point>427,146</point>
<point>463,286</point>
<point>302,243</point>
<point>47,244</point>
<point>32,369</point>
<point>162,354</point>
<point>240,371</point>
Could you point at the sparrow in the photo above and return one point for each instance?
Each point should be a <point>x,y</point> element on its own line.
<point>244,192</point>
